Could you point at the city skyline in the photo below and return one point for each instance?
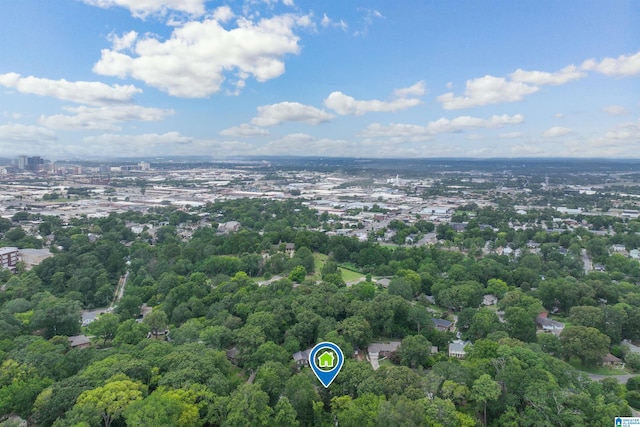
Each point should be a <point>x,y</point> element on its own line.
<point>114,78</point>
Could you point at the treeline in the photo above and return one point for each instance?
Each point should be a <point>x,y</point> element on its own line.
<point>217,348</point>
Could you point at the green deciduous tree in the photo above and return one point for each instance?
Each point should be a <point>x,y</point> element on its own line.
<point>584,343</point>
<point>105,326</point>
<point>248,407</point>
<point>113,398</point>
<point>297,274</point>
<point>57,316</point>
<point>414,351</point>
<point>157,321</point>
<point>485,389</point>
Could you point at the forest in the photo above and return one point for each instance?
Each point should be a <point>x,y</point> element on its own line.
<point>207,327</point>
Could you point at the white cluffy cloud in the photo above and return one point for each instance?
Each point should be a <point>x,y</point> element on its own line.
<point>557,131</point>
<point>615,110</point>
<point>540,78</point>
<point>485,91</point>
<point>301,144</point>
<point>629,132</point>
<point>402,132</point>
<point>346,105</point>
<point>417,89</point>
<point>91,93</point>
<point>245,131</point>
<point>622,66</point>
<point>143,8</point>
<point>102,118</point>
<point>196,59</point>
<point>492,90</point>
<point>14,132</point>
<point>271,115</point>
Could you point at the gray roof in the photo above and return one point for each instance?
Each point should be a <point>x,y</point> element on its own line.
<point>377,347</point>
<point>78,340</point>
<point>441,322</point>
<point>302,355</point>
<point>457,346</point>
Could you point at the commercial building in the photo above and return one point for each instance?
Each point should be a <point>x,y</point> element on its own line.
<point>9,258</point>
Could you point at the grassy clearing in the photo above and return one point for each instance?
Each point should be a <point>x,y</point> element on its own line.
<point>347,275</point>
<point>600,370</point>
<point>350,276</point>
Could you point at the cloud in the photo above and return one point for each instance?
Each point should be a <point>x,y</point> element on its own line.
<point>148,139</point>
<point>624,132</point>
<point>143,8</point>
<point>622,66</point>
<point>397,132</point>
<point>166,144</point>
<point>466,122</point>
<point>244,131</point>
<point>196,59</point>
<point>301,144</point>
<point>270,115</point>
<point>417,89</point>
<point>328,22</point>
<point>102,118</point>
<point>347,105</point>
<point>92,93</point>
<point>616,110</point>
<point>414,133</point>
<point>485,91</point>
<point>14,132</point>
<point>510,135</point>
<point>370,15</point>
<point>557,131</point>
<point>540,78</point>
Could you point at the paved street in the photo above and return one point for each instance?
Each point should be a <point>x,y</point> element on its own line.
<point>622,379</point>
<point>586,260</point>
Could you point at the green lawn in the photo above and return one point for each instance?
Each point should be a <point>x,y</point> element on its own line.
<point>600,370</point>
<point>347,275</point>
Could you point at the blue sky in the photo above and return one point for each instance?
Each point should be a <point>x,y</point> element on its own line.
<point>93,78</point>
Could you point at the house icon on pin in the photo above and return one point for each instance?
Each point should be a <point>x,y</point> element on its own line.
<point>326,360</point>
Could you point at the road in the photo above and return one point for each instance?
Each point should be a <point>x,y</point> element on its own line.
<point>120,289</point>
<point>588,267</point>
<point>622,379</point>
<point>89,316</point>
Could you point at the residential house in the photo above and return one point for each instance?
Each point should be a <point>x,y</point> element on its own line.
<point>229,227</point>
<point>458,226</point>
<point>456,349</point>
<point>79,341</point>
<point>549,325</point>
<point>302,357</point>
<point>632,347</point>
<point>618,248</point>
<point>489,299</point>
<point>443,325</point>
<point>611,361</point>
<point>290,249</point>
<point>380,349</point>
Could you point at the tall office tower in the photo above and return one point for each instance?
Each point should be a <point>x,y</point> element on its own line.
<point>22,162</point>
